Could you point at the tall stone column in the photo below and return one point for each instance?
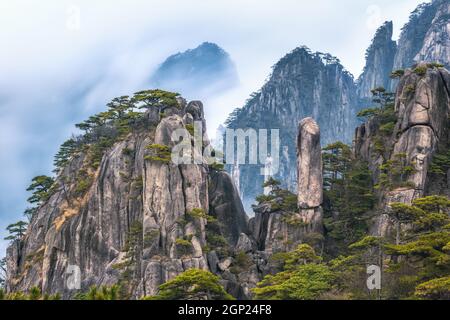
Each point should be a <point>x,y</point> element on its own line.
<point>309,169</point>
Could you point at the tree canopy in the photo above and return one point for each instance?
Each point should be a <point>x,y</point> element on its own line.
<point>193,284</point>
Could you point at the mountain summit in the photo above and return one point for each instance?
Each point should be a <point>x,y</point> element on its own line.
<point>208,67</point>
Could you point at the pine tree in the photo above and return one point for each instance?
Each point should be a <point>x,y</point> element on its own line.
<point>348,196</point>
<point>193,284</point>
<point>304,277</point>
<point>41,189</point>
<point>16,230</point>
<point>155,99</point>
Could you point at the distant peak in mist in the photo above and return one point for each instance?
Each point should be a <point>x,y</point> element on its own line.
<point>197,73</point>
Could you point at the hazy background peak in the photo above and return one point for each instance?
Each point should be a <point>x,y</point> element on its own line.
<point>62,61</point>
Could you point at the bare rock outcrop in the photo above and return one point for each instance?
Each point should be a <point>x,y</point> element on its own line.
<point>310,180</point>
<point>425,37</point>
<point>226,206</point>
<point>133,216</point>
<point>422,108</point>
<point>276,228</point>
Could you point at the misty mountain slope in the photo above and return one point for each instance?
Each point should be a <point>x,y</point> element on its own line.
<point>426,36</point>
<point>379,62</point>
<point>197,72</point>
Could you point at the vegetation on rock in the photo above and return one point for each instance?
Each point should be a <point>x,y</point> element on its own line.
<point>193,284</point>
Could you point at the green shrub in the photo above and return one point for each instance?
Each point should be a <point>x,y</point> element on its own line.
<point>198,213</point>
<point>293,220</point>
<point>98,149</point>
<point>83,182</point>
<point>190,129</point>
<point>440,163</point>
<point>128,152</point>
<point>241,263</point>
<point>217,166</point>
<point>216,240</point>
<point>193,284</point>
<point>435,65</point>
<point>397,73</point>
<point>420,70</point>
<point>410,88</point>
<point>102,293</point>
<point>394,173</point>
<point>387,129</point>
<point>184,246</point>
<point>150,236</point>
<point>159,153</point>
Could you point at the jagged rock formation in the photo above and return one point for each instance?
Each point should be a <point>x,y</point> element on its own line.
<point>278,228</point>
<point>422,107</point>
<point>426,36</point>
<point>133,197</point>
<point>423,39</point>
<point>310,181</point>
<point>199,72</point>
<point>379,62</point>
<point>302,84</point>
<point>141,215</point>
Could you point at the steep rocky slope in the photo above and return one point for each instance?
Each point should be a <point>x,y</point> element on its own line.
<point>426,36</point>
<point>133,217</point>
<point>401,161</point>
<point>313,84</point>
<point>379,62</point>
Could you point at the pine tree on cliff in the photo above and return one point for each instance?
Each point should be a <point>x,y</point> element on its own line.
<point>41,188</point>
<point>16,230</point>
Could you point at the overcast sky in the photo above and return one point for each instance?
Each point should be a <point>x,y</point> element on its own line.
<point>61,61</point>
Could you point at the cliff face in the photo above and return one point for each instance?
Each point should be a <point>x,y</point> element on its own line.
<point>312,84</point>
<point>422,106</point>
<point>379,62</point>
<point>302,84</point>
<point>135,217</point>
<point>425,37</point>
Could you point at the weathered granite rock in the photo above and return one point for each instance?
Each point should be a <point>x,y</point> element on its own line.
<point>225,264</point>
<point>309,157</point>
<point>245,244</point>
<point>276,230</point>
<point>310,180</point>
<point>425,37</point>
<point>130,199</point>
<point>422,108</point>
<point>226,206</point>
